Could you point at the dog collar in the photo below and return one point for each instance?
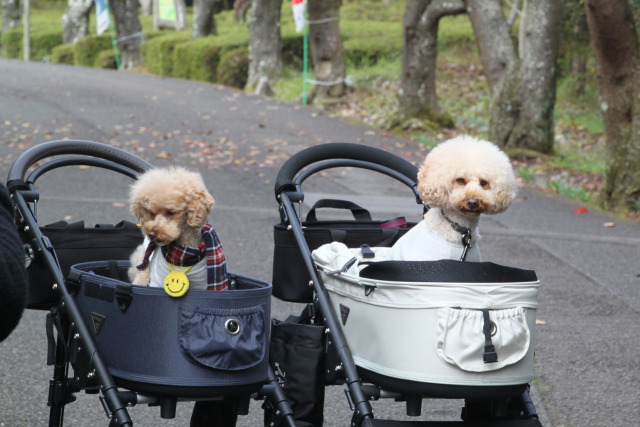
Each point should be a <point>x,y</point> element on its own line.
<point>464,232</point>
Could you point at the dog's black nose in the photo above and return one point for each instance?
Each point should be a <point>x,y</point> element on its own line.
<point>473,204</point>
<point>153,235</point>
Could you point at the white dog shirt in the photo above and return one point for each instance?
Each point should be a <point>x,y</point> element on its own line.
<point>423,244</point>
<point>159,269</point>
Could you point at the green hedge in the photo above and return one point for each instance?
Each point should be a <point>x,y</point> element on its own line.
<point>197,59</point>
<point>63,54</point>
<point>106,59</point>
<point>12,43</point>
<point>157,51</point>
<point>42,44</point>
<point>88,48</point>
<point>233,68</point>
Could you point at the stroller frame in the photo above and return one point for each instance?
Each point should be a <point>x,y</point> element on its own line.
<point>287,192</point>
<point>73,333</point>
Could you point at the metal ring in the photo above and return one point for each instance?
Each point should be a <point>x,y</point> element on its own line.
<point>232,326</point>
<point>494,328</point>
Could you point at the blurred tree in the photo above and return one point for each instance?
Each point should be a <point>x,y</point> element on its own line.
<point>615,44</point>
<point>327,54</point>
<point>204,23</point>
<point>76,20</point>
<point>417,94</point>
<point>522,77</point>
<point>11,14</point>
<point>265,45</point>
<point>129,32</point>
<point>575,51</point>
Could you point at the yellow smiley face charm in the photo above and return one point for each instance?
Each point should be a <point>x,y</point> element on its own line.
<point>176,283</point>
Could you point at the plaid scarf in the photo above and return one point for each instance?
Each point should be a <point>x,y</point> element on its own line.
<point>184,257</point>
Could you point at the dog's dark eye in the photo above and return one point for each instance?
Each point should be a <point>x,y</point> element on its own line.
<point>483,183</point>
<point>461,181</point>
<point>171,213</point>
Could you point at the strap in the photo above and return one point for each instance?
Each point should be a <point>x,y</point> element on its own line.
<point>124,295</point>
<point>366,251</point>
<point>490,355</point>
<point>113,269</point>
<point>53,321</point>
<point>398,222</point>
<point>185,271</point>
<point>307,315</point>
<point>359,213</point>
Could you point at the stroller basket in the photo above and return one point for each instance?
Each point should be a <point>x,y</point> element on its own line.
<point>432,320</point>
<point>202,343</point>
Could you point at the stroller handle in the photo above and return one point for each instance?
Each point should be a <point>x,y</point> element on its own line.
<point>339,150</point>
<point>72,147</point>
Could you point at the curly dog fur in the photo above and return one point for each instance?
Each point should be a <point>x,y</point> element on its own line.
<point>172,205</point>
<point>459,180</point>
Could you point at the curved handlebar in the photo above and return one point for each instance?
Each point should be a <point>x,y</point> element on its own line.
<point>72,147</point>
<point>339,150</point>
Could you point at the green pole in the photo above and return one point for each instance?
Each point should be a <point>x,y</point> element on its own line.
<point>114,42</point>
<point>305,59</point>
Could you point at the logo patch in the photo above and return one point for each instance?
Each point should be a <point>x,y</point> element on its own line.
<point>98,321</point>
<point>344,313</point>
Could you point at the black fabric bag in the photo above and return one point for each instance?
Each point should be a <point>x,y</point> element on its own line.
<point>297,357</point>
<point>75,244</point>
<point>290,276</point>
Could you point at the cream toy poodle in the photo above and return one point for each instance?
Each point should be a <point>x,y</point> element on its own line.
<point>181,250</point>
<point>459,180</point>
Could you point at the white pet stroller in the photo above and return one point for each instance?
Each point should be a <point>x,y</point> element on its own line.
<point>399,329</point>
<point>103,332</point>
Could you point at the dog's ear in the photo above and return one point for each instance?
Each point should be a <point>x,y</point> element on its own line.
<point>505,192</point>
<point>199,204</point>
<point>433,189</point>
<point>139,210</point>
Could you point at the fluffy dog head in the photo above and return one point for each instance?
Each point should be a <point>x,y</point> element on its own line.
<point>468,175</point>
<point>172,205</point>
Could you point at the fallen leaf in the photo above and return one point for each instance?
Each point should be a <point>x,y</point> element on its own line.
<point>609,224</point>
<point>540,322</point>
<point>117,204</point>
<point>581,210</point>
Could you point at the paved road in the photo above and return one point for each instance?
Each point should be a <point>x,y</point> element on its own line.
<point>586,351</point>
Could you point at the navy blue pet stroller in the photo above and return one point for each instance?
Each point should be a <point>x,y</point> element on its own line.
<point>103,331</point>
<point>405,330</point>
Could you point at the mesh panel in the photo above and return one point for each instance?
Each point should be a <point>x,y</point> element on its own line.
<point>446,271</point>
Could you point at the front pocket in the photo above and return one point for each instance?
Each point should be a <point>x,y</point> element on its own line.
<point>460,340</point>
<point>228,339</point>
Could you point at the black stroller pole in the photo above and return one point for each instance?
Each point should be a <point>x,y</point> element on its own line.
<point>360,404</point>
<point>117,410</point>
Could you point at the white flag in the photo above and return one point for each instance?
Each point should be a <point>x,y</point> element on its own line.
<point>299,8</point>
<point>102,16</point>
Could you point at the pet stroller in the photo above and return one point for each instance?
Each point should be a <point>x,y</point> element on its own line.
<point>407,330</point>
<point>104,333</point>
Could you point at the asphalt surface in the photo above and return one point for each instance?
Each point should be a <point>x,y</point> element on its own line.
<point>588,336</point>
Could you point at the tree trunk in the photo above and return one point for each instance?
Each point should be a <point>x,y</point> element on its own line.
<point>523,89</point>
<point>129,32</point>
<point>493,37</point>
<point>325,45</point>
<point>417,94</point>
<point>577,43</point>
<point>204,23</point>
<point>147,7</point>
<point>76,20</point>
<point>615,44</point>
<point>265,46</point>
<point>11,14</point>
